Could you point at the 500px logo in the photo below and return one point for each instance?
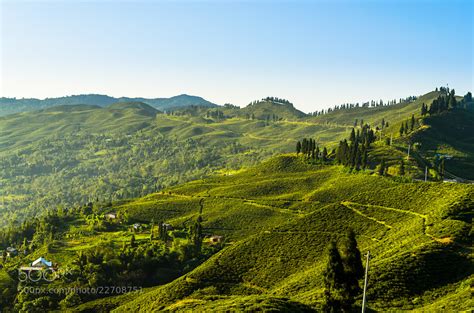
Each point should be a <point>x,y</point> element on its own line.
<point>40,270</point>
<point>35,275</point>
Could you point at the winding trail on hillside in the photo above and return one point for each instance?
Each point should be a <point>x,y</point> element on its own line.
<point>253,202</point>
<point>349,205</point>
<point>298,213</point>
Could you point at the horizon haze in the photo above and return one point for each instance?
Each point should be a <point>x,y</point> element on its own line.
<point>236,52</point>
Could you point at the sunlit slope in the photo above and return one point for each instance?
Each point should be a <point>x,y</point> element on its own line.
<point>19,130</point>
<point>374,115</point>
<point>71,154</point>
<point>279,217</point>
<point>450,134</point>
<point>268,109</point>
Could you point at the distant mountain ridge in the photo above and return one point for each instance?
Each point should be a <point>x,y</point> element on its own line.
<point>14,105</point>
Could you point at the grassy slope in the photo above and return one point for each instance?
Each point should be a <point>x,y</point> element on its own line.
<point>278,218</point>
<point>450,133</point>
<point>125,130</point>
<point>267,108</point>
<point>110,151</point>
<point>392,114</point>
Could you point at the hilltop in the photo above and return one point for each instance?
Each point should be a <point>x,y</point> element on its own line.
<point>272,109</point>
<point>14,105</point>
<point>129,149</point>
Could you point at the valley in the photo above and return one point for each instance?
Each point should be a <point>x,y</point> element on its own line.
<point>222,208</point>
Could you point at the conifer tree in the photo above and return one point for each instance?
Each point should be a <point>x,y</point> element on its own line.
<point>298,147</point>
<point>402,129</point>
<point>196,235</point>
<point>441,168</point>
<point>162,232</point>
<point>381,170</point>
<point>352,137</point>
<point>412,125</point>
<point>424,109</point>
<point>335,291</point>
<point>352,264</point>
<point>467,97</point>
<point>402,168</point>
<point>364,158</point>
<point>452,100</point>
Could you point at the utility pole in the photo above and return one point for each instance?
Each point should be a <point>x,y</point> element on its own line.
<point>426,173</point>
<point>408,156</point>
<point>365,281</point>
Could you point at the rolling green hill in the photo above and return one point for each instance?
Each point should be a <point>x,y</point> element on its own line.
<point>272,110</point>
<point>69,165</point>
<point>278,223</point>
<point>14,105</point>
<point>277,219</point>
<point>450,134</point>
<point>71,154</point>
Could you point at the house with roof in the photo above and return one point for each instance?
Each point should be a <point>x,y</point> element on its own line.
<point>41,262</point>
<point>11,252</point>
<point>111,215</point>
<point>167,226</point>
<point>216,239</point>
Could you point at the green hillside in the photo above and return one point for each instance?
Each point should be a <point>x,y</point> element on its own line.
<point>71,154</point>
<point>415,236</point>
<point>373,115</point>
<point>450,134</point>
<point>276,220</point>
<point>272,110</point>
<point>234,173</point>
<point>14,105</point>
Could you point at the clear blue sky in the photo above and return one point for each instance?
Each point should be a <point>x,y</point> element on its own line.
<point>314,53</point>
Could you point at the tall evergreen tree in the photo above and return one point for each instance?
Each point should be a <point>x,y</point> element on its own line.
<point>335,292</point>
<point>364,158</point>
<point>298,147</point>
<point>196,235</point>
<point>452,100</point>
<point>401,170</point>
<point>424,109</point>
<point>325,154</point>
<point>467,97</point>
<point>352,264</point>
<point>381,170</point>
<point>441,168</point>
<point>412,123</point>
<point>352,137</point>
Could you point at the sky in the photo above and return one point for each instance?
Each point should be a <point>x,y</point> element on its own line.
<point>314,53</point>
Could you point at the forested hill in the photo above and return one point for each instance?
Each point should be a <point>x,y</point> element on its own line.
<point>14,105</point>
<point>70,154</point>
<point>202,171</point>
<point>272,225</point>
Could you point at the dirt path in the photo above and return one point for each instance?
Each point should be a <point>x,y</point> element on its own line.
<point>348,205</point>
<point>424,217</point>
